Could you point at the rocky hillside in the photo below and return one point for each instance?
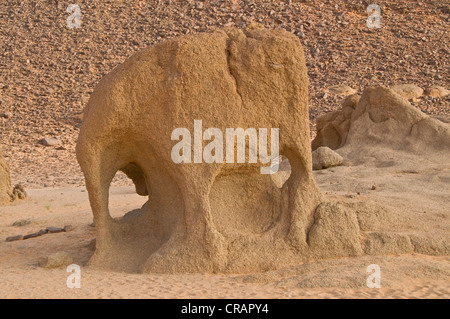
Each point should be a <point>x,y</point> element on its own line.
<point>47,70</point>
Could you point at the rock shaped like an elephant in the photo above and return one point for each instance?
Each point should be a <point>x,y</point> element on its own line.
<point>201,217</point>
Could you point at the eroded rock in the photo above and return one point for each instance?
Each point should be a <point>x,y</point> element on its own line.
<point>324,157</point>
<point>56,260</point>
<point>231,78</point>
<point>5,181</point>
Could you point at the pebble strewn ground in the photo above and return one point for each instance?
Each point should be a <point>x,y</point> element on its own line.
<point>47,71</point>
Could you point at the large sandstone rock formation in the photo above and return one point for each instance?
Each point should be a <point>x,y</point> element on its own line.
<point>381,119</point>
<point>382,133</point>
<point>5,181</point>
<point>203,217</point>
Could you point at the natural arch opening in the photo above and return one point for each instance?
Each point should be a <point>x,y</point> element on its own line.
<point>141,223</point>
<point>244,202</point>
<point>284,172</point>
<point>128,191</point>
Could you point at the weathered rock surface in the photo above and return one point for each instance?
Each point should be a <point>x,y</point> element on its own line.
<point>5,181</point>
<point>56,260</point>
<point>324,157</point>
<point>408,91</point>
<point>201,217</point>
<point>382,118</point>
<point>436,91</point>
<point>342,90</point>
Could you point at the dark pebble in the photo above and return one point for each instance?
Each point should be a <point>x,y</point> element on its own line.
<point>37,234</point>
<point>14,238</point>
<point>54,229</point>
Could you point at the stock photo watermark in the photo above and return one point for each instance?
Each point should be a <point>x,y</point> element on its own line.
<point>213,151</point>
<point>374,18</point>
<point>74,279</point>
<point>74,20</point>
<point>374,280</point>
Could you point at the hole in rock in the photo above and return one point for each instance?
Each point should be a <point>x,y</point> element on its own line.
<point>245,202</point>
<point>124,195</point>
<point>284,172</point>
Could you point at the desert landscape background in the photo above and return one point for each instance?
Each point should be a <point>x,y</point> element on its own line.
<point>48,72</point>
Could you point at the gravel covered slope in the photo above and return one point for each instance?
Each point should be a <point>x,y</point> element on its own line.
<point>47,71</point>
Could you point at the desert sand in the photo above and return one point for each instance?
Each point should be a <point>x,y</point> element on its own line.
<point>414,199</point>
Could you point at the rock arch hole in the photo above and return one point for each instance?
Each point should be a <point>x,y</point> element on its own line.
<point>128,191</point>
<point>247,202</point>
<point>284,172</point>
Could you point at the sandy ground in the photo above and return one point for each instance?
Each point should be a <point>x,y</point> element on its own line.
<point>417,201</point>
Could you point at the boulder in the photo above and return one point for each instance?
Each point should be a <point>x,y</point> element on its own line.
<point>333,127</point>
<point>436,91</point>
<point>56,260</point>
<point>324,157</point>
<point>382,119</point>
<point>408,91</point>
<point>335,232</point>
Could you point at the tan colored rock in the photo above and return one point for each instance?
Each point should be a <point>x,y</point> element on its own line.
<point>333,127</point>
<point>382,118</point>
<point>201,217</point>
<point>7,194</point>
<point>342,90</point>
<point>283,174</point>
<point>408,91</point>
<point>18,192</point>
<point>371,217</point>
<point>436,91</point>
<point>21,222</point>
<point>350,102</point>
<point>5,181</point>
<point>324,157</point>
<point>335,232</point>
<point>51,141</point>
<point>436,244</point>
<point>56,260</point>
<point>379,243</point>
